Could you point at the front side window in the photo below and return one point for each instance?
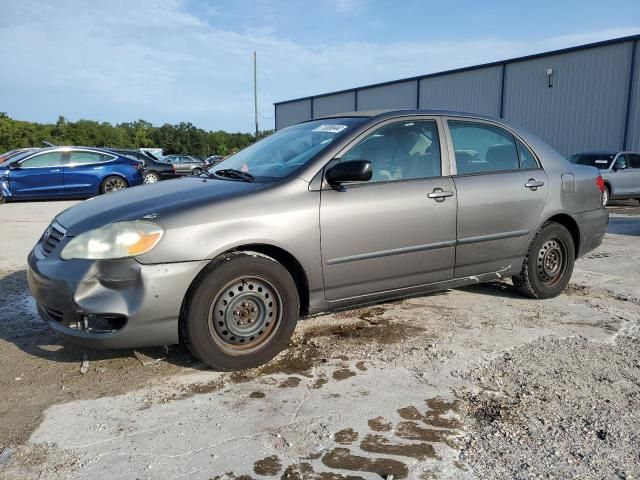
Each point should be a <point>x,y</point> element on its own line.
<point>289,149</point>
<point>51,159</point>
<point>634,160</point>
<point>482,148</point>
<point>621,162</point>
<point>86,158</point>
<point>401,151</point>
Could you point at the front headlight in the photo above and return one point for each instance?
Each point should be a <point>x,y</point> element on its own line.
<point>116,240</point>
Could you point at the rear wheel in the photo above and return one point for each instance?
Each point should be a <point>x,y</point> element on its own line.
<point>196,171</point>
<point>113,183</point>
<point>549,263</point>
<point>3,199</point>
<point>606,193</point>
<point>151,177</point>
<point>242,312</point>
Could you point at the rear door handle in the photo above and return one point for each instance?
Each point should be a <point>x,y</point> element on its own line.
<point>439,194</point>
<point>533,184</point>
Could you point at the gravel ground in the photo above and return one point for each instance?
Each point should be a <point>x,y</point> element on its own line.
<point>473,383</point>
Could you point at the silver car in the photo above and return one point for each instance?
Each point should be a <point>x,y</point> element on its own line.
<point>330,213</point>
<point>620,171</point>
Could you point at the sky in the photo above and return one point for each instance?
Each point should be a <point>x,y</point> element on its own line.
<point>168,61</point>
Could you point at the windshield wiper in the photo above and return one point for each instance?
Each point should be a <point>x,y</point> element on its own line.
<point>233,173</point>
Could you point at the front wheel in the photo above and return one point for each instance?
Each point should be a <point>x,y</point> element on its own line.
<point>196,171</point>
<point>113,183</point>
<point>242,312</point>
<point>549,263</point>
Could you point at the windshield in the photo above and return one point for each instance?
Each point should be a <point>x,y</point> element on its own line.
<point>284,152</point>
<point>598,160</point>
<point>18,156</point>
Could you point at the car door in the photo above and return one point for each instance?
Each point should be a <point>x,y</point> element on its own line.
<point>501,192</point>
<point>634,170</point>
<point>622,175</point>
<point>84,172</point>
<point>39,175</point>
<point>388,233</point>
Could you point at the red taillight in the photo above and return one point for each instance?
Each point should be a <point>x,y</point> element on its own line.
<point>600,183</point>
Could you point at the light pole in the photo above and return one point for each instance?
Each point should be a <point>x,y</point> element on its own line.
<point>255,92</point>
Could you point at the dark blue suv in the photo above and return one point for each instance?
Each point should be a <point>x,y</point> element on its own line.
<point>67,172</point>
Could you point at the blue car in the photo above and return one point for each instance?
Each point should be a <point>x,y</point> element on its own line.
<point>66,172</point>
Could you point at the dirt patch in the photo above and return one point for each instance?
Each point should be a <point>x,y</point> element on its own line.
<point>304,471</point>
<point>257,394</point>
<point>290,382</point>
<point>342,458</point>
<point>564,406</point>
<point>379,330</point>
<point>380,424</point>
<point>346,436</point>
<point>383,445</point>
<point>268,466</point>
<point>343,374</point>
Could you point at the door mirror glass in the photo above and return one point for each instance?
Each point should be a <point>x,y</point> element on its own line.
<point>14,165</point>
<point>620,164</point>
<point>350,171</point>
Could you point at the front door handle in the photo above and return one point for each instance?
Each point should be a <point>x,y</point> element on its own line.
<point>533,184</point>
<point>439,194</point>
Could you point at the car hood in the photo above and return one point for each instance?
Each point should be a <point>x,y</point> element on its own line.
<point>152,201</point>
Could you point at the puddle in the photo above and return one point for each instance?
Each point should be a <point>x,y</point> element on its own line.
<point>257,394</point>
<point>413,431</point>
<point>304,471</point>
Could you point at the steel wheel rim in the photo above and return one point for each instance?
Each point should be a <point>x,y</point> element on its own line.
<point>114,184</point>
<point>551,262</point>
<point>245,315</point>
<point>150,178</point>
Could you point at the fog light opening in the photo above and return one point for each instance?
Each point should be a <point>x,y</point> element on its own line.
<point>103,323</point>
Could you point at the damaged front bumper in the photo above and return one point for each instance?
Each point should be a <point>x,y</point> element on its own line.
<point>110,303</point>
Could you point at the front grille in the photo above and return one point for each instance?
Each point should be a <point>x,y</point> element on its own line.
<point>51,239</point>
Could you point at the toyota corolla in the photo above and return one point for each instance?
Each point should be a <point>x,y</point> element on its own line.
<point>330,213</point>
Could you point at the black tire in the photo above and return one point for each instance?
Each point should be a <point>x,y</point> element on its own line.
<point>151,177</point>
<point>3,199</point>
<point>242,312</point>
<point>196,171</point>
<point>606,195</point>
<point>113,183</point>
<point>549,263</point>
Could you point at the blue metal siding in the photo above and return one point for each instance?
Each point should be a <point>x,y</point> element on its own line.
<point>291,113</point>
<point>398,95</point>
<point>340,103</point>
<point>584,108</point>
<point>476,91</point>
<point>633,130</point>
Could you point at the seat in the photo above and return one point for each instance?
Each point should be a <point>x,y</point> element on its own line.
<point>502,157</point>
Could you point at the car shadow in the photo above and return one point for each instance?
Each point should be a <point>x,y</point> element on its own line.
<point>21,325</point>
<point>495,289</point>
<point>624,225</point>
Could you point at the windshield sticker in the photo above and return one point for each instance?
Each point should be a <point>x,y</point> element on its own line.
<point>330,128</point>
<point>602,161</point>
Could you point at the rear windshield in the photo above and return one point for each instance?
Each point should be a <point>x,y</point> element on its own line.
<point>598,160</point>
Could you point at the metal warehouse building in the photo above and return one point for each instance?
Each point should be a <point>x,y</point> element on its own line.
<point>576,99</point>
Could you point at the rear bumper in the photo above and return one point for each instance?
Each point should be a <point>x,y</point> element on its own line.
<point>140,304</point>
<point>593,226</point>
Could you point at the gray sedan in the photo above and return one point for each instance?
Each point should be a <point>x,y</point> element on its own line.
<point>331,213</point>
<point>620,171</point>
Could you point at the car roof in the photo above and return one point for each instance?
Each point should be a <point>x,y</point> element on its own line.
<point>388,113</point>
<point>601,152</point>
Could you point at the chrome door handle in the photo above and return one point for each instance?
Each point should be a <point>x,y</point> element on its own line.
<point>533,184</point>
<point>439,194</point>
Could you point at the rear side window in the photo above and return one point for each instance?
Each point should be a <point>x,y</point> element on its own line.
<point>634,160</point>
<point>51,159</point>
<point>526,157</point>
<point>85,158</point>
<point>482,148</point>
<point>598,160</point>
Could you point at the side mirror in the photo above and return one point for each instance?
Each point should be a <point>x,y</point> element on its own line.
<point>350,171</point>
<point>14,165</point>
<point>620,165</point>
